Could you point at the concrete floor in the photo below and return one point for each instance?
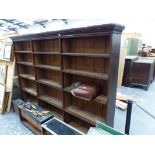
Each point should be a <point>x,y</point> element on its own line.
<point>141,122</point>
<point>11,125</point>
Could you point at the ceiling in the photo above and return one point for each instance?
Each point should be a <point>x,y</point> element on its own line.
<point>14,25</point>
<point>9,27</point>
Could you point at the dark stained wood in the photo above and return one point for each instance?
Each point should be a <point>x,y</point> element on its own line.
<point>23,46</point>
<point>112,81</point>
<point>50,45</point>
<point>51,95</point>
<point>87,73</point>
<point>26,70</point>
<point>57,112</point>
<point>28,86</point>
<point>27,76</point>
<point>29,97</point>
<point>31,127</point>
<point>86,55</point>
<point>50,62</point>
<point>53,60</point>
<point>49,77</point>
<point>50,83</point>
<point>23,52</point>
<point>78,126</point>
<point>105,29</point>
<point>84,115</point>
<point>142,72</point>
<point>51,100</point>
<point>48,53</point>
<point>26,57</point>
<point>30,91</point>
<point>77,123</point>
<point>127,75</point>
<point>48,67</point>
<point>153,50</point>
<point>25,63</point>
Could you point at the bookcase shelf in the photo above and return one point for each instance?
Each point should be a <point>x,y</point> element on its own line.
<point>51,100</point>
<point>47,53</point>
<point>49,77</point>
<point>25,63</point>
<point>50,83</point>
<point>84,115</point>
<point>48,67</point>
<point>28,86</point>
<point>49,63</point>
<point>22,46</point>
<point>87,74</point>
<point>24,57</point>
<point>46,45</point>
<point>87,55</point>
<point>26,71</point>
<point>44,59</point>
<point>87,44</point>
<point>29,97</point>
<point>78,126</point>
<point>101,98</point>
<point>30,91</point>
<point>51,95</point>
<point>23,52</point>
<point>27,76</point>
<point>57,112</point>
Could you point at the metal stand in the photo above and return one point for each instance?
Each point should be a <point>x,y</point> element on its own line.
<point>128,117</point>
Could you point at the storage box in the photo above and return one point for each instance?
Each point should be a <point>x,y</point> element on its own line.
<point>57,127</point>
<point>33,122</point>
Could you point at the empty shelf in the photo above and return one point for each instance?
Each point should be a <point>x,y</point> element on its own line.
<point>25,63</point>
<point>79,127</point>
<point>84,115</point>
<point>48,67</point>
<point>50,83</point>
<point>31,91</point>
<point>23,52</point>
<point>87,55</point>
<point>56,114</point>
<point>102,99</point>
<point>27,76</point>
<point>50,53</point>
<point>87,73</point>
<point>51,100</point>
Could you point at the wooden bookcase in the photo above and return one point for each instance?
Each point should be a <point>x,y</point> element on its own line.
<point>48,63</point>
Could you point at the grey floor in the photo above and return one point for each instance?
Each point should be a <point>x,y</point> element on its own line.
<point>141,122</point>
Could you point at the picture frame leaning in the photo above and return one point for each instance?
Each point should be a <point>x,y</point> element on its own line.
<point>2,96</point>
<point>3,73</point>
<point>1,50</point>
<point>7,51</point>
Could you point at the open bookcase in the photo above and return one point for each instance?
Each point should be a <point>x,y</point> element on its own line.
<point>48,63</point>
